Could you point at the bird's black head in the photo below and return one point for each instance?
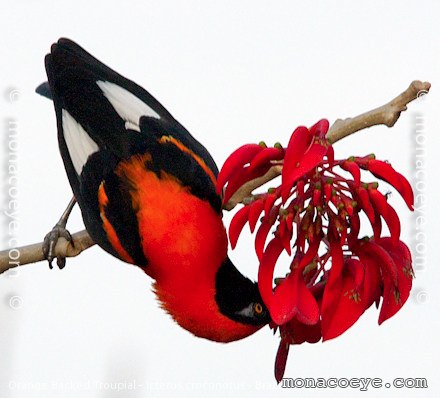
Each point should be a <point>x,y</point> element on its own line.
<point>238,297</point>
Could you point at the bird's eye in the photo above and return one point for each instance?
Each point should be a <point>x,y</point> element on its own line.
<point>258,308</point>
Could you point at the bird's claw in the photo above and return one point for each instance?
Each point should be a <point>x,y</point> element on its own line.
<point>50,242</point>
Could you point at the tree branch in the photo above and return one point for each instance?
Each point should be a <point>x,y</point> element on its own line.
<point>386,114</point>
<point>34,253</point>
<point>246,190</point>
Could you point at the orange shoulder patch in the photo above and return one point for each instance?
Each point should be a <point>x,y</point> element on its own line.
<point>108,227</point>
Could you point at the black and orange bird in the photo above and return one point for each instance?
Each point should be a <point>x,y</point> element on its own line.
<point>147,193</point>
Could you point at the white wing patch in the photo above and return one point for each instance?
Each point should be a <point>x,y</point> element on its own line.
<point>127,105</point>
<point>78,142</point>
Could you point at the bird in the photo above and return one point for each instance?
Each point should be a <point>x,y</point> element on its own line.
<point>146,189</point>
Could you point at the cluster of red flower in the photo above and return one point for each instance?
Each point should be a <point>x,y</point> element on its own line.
<point>334,274</point>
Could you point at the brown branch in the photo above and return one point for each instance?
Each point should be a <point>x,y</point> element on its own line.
<point>386,114</point>
<point>34,253</point>
<point>245,191</point>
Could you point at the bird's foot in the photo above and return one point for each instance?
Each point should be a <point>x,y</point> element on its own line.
<point>50,242</point>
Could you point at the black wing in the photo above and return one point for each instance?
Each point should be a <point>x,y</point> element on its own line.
<point>104,118</point>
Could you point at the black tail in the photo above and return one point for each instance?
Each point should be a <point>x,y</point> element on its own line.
<point>44,90</point>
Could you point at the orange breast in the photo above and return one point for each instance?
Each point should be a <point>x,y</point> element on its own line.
<point>185,243</point>
<point>180,233</point>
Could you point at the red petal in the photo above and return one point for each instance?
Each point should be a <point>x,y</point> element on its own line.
<point>281,360</point>
<point>385,172</point>
<point>354,169</point>
<point>317,194</point>
<point>237,224</point>
<point>265,157</point>
<point>372,287</point>
<point>310,254</point>
<point>241,177</point>
<point>236,161</point>
<point>298,144</point>
<point>293,298</point>
<point>357,271</point>
<point>364,203</point>
<point>320,128</point>
<point>300,188</point>
<point>332,290</point>
<point>348,305</point>
<point>377,226</point>
<point>269,202</point>
<point>330,156</point>
<point>295,332</point>
<point>355,226</point>
<point>348,204</point>
<point>377,253</point>
<point>289,222</point>
<point>402,249</point>
<point>328,190</point>
<point>395,296</point>
<point>387,212</point>
<point>266,269</point>
<point>285,236</point>
<point>255,212</point>
<point>261,236</point>
<point>311,158</point>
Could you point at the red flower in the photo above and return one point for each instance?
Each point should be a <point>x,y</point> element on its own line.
<point>334,274</point>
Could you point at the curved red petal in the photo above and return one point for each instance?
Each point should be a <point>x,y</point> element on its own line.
<point>237,224</point>
<point>365,203</point>
<point>317,195</point>
<point>240,178</point>
<point>311,158</point>
<point>265,157</point>
<point>285,236</point>
<point>298,144</point>
<point>320,128</point>
<point>385,172</point>
<point>293,298</point>
<point>332,290</point>
<point>328,191</point>
<point>395,296</point>
<point>387,212</point>
<point>266,270</point>
<point>377,225</point>
<point>348,307</point>
<point>296,332</point>
<point>261,237</point>
<point>372,286</point>
<point>375,251</point>
<point>354,169</point>
<point>355,227</point>
<point>269,202</point>
<point>330,156</point>
<point>235,162</point>
<point>310,254</point>
<point>281,360</point>
<point>256,208</point>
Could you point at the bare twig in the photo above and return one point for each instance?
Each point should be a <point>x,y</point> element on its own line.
<point>246,190</point>
<point>386,114</point>
<point>34,253</point>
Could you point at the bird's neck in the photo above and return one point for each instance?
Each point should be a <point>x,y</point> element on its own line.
<point>193,305</point>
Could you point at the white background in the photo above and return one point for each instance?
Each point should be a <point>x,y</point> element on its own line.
<point>231,72</point>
